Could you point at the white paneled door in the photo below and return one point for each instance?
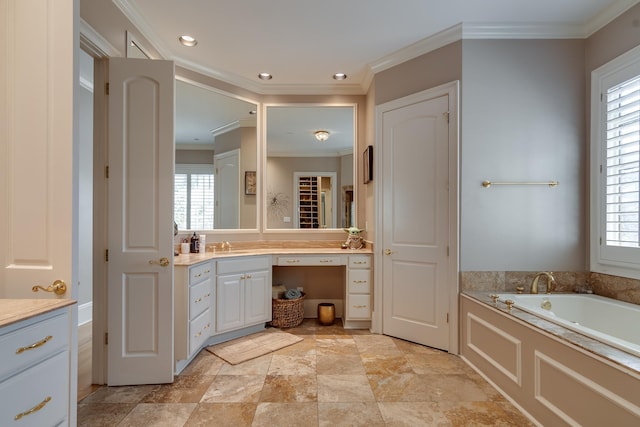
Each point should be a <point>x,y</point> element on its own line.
<point>140,224</point>
<point>227,190</point>
<point>416,219</point>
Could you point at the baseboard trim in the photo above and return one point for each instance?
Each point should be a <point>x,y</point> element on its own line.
<point>85,313</point>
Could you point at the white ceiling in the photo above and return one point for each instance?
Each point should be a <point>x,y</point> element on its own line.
<point>304,42</point>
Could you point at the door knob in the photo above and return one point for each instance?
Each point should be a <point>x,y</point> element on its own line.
<point>162,262</point>
<point>58,287</point>
<point>388,251</point>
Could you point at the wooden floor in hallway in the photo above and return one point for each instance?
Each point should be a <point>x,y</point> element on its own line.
<point>334,377</point>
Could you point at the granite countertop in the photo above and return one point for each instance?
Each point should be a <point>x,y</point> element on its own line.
<point>15,310</point>
<point>591,345</point>
<point>190,259</point>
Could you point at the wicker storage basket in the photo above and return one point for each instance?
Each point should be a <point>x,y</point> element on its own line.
<point>287,313</point>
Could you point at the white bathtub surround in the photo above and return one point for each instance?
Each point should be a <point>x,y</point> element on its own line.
<point>604,319</point>
<point>554,374</point>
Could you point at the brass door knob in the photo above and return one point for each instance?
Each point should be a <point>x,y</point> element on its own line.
<point>162,262</point>
<point>58,287</point>
<point>388,251</point>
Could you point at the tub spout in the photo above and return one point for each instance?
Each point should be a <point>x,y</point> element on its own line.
<point>551,282</point>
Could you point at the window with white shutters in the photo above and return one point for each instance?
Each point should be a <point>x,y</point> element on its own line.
<point>194,197</point>
<point>623,164</point>
<point>615,166</point>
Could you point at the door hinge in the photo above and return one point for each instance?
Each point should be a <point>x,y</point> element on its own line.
<point>446,116</point>
<point>106,255</point>
<point>447,317</point>
<point>447,255</point>
<point>106,172</point>
<point>106,88</point>
<point>106,338</point>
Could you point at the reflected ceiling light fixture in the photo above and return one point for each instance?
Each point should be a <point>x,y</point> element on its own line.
<point>339,76</point>
<point>187,40</point>
<point>321,135</point>
<point>265,76</point>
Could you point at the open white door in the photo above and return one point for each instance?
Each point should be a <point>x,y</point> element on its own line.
<point>416,268</point>
<point>227,190</point>
<point>140,224</point>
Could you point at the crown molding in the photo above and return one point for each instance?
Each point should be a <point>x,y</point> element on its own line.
<point>616,9</point>
<point>94,44</point>
<point>426,45</point>
<point>193,146</point>
<point>519,30</point>
<point>133,14</point>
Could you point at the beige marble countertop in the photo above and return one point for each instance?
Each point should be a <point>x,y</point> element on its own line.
<point>190,259</point>
<point>15,310</point>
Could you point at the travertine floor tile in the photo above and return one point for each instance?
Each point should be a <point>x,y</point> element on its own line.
<point>344,388</point>
<point>334,377</point>
<point>286,414</point>
<point>412,414</point>
<point>102,414</point>
<point>234,388</point>
<point>158,415</point>
<point>289,388</point>
<point>364,414</point>
<point>222,415</point>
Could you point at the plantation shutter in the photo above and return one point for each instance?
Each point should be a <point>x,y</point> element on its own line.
<point>194,197</point>
<point>623,164</point>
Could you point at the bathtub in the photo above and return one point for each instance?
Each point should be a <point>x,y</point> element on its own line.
<point>604,319</point>
<point>555,371</point>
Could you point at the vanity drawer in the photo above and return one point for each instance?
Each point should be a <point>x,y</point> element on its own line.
<point>359,307</point>
<point>359,261</point>
<point>200,272</point>
<point>44,386</point>
<point>199,298</point>
<point>26,346</point>
<point>322,260</point>
<point>243,264</point>
<point>359,282</point>
<point>199,331</point>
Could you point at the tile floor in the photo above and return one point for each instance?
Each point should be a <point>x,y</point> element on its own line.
<point>335,377</point>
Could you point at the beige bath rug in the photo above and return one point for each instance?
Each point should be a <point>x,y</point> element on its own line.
<point>252,346</point>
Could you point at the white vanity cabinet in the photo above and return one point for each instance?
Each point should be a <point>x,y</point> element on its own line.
<point>193,307</point>
<point>358,291</point>
<point>243,292</point>
<point>34,373</point>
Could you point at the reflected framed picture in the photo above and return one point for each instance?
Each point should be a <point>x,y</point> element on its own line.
<point>367,164</point>
<point>250,182</point>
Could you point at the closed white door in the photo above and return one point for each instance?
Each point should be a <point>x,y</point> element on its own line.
<point>416,219</point>
<point>227,190</point>
<point>140,223</point>
<point>230,302</point>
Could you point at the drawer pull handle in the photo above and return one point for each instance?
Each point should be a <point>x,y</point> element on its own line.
<point>198,300</point>
<point>360,262</point>
<point>292,261</point>
<point>34,409</point>
<point>326,260</point>
<point>248,276</point>
<point>35,345</point>
<point>359,306</point>
<point>359,281</point>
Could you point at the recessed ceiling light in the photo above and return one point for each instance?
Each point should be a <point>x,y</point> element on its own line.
<point>253,112</point>
<point>339,76</point>
<point>188,40</point>
<point>265,76</point>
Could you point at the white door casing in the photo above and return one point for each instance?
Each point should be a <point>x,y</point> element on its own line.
<point>227,190</point>
<point>418,206</point>
<point>140,221</point>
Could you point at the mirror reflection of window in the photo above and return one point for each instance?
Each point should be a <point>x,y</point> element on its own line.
<point>209,125</point>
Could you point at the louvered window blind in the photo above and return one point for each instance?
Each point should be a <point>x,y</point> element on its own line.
<point>194,197</point>
<point>623,164</point>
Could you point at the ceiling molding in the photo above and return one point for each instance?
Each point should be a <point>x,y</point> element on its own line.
<point>94,44</point>
<point>133,14</point>
<point>616,9</point>
<point>518,30</point>
<point>194,146</point>
<point>426,45</point>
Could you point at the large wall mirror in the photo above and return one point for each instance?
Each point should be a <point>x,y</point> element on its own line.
<point>216,148</point>
<point>309,168</point>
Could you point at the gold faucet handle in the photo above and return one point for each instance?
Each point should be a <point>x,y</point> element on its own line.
<point>509,304</point>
